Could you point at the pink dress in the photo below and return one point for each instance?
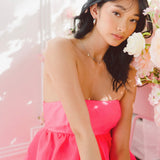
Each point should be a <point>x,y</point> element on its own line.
<point>56,140</point>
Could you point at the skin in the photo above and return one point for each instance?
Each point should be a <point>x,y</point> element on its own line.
<point>71,77</point>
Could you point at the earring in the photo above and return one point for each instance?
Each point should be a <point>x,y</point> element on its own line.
<point>94,21</point>
<point>86,11</point>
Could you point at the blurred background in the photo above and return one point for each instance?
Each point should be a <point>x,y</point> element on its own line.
<point>25,27</point>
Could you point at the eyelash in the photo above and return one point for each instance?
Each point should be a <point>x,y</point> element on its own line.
<point>118,14</point>
<point>134,20</point>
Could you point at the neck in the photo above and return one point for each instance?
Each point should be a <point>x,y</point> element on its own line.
<point>95,45</point>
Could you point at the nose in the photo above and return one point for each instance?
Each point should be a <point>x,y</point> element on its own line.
<point>122,27</point>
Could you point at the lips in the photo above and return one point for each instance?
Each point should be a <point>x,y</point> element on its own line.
<point>119,37</point>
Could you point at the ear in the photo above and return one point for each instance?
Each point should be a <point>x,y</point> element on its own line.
<point>94,11</point>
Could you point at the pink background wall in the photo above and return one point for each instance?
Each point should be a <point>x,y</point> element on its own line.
<point>146,140</point>
<point>24,29</point>
<point>20,76</point>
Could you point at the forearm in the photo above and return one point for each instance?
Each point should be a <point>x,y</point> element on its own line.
<point>122,155</point>
<point>88,147</point>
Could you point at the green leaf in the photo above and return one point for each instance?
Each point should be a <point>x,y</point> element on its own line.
<point>155,81</point>
<point>146,34</point>
<point>157,26</point>
<point>148,44</point>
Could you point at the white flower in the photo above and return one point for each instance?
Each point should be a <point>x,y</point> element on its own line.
<point>148,10</point>
<point>135,44</point>
<point>157,114</point>
<point>155,49</point>
<point>143,64</point>
<point>154,96</point>
<point>138,81</point>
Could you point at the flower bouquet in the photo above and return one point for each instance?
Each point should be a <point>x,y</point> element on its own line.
<point>147,57</point>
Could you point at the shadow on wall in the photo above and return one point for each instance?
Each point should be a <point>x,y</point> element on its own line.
<point>25,26</point>
<point>20,71</point>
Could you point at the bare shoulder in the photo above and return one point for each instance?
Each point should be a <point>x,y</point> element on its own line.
<point>58,53</point>
<point>131,84</point>
<point>132,77</point>
<point>132,72</point>
<point>59,47</point>
<point>58,41</point>
<point>59,50</point>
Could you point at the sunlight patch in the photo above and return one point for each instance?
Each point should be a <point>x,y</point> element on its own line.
<point>13,141</point>
<point>29,102</point>
<point>5,57</point>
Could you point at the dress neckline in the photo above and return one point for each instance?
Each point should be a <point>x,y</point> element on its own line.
<point>87,100</point>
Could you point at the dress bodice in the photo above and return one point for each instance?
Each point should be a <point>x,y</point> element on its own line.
<point>104,116</point>
<point>56,140</point>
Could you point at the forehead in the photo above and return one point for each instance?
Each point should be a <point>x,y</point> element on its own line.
<point>125,5</point>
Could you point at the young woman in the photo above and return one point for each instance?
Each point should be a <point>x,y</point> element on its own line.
<point>89,85</point>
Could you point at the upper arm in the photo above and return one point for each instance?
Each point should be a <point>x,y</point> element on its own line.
<point>121,133</point>
<point>60,65</point>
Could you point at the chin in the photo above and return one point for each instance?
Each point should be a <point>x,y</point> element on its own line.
<point>115,43</point>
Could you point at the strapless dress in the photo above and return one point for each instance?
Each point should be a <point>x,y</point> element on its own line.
<point>56,141</point>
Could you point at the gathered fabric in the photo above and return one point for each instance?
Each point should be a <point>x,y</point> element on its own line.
<point>56,141</point>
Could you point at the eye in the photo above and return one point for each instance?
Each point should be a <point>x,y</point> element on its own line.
<point>134,20</point>
<point>116,13</point>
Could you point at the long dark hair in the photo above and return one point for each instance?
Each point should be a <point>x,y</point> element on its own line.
<point>116,61</point>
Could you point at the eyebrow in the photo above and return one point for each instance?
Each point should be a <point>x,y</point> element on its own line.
<point>124,9</point>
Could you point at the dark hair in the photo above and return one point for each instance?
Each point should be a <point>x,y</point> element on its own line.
<point>116,61</point>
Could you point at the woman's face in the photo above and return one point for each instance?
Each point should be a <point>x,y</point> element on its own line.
<point>117,20</point>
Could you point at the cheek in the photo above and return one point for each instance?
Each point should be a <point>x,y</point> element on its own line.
<point>131,28</point>
<point>107,23</point>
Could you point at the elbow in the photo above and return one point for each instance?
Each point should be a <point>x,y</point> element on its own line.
<point>81,132</point>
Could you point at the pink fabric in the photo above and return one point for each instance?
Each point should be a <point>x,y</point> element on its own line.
<point>56,140</point>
